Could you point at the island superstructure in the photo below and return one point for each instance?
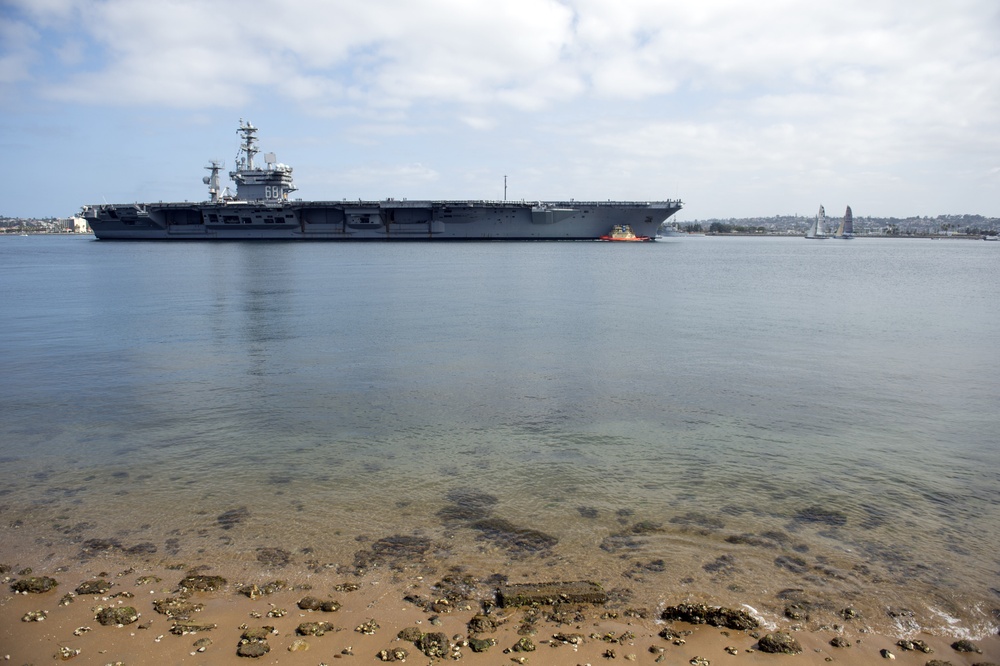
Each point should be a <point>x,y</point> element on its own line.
<point>261,209</point>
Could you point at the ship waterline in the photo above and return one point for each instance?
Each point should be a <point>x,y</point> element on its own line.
<point>261,209</point>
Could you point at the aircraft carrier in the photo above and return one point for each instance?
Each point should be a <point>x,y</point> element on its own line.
<point>261,209</point>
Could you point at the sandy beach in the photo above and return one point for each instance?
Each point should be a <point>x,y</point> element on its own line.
<point>372,608</point>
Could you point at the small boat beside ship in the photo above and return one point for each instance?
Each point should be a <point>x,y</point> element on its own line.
<point>624,233</point>
<point>261,209</point>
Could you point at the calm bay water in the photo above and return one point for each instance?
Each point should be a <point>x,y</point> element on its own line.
<point>723,418</point>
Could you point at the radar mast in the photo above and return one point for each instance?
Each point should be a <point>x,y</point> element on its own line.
<point>214,187</point>
<point>249,147</point>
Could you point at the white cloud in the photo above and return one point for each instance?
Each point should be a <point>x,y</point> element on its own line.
<point>479,122</point>
<point>399,177</point>
<point>18,54</point>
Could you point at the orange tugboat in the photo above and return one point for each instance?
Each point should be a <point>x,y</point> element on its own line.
<point>623,232</point>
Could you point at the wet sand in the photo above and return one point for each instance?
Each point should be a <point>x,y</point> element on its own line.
<point>396,596</point>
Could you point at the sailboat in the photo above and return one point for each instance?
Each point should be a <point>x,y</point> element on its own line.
<point>818,228</point>
<point>846,228</point>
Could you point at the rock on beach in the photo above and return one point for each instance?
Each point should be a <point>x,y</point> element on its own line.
<point>779,643</point>
<point>716,616</point>
<point>34,585</point>
<point>117,616</point>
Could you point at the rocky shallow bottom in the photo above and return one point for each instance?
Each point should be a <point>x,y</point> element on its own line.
<point>394,605</point>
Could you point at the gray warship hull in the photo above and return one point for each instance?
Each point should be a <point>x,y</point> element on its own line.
<point>262,209</point>
<point>375,220</point>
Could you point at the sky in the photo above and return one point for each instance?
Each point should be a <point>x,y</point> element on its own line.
<point>740,109</point>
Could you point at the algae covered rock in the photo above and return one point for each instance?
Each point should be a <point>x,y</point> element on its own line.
<point>965,646</point>
<point>313,604</point>
<point>481,624</point>
<point>821,514</point>
<point>273,557</point>
<point>92,547</point>
<point>568,639</point>
<point>98,586</point>
<point>400,551</point>
<point>481,644</point>
<point>314,628</point>
<point>434,645</point>
<point>525,644</point>
<point>34,585</point>
<point>779,643</point>
<point>229,519</point>
<point>716,616</point>
<point>907,645</point>
<point>253,642</point>
<point>117,616</point>
<point>517,540</point>
<point>256,633</point>
<point>411,634</point>
<point>797,612</point>
<point>176,607</point>
<point>144,548</point>
<point>253,649</point>
<point>254,591</point>
<point>401,545</point>
<point>200,583</point>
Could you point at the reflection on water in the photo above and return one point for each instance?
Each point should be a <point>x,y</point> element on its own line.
<point>717,417</point>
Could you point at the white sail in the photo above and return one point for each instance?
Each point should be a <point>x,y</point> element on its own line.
<point>818,227</point>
